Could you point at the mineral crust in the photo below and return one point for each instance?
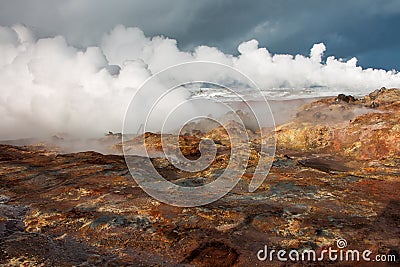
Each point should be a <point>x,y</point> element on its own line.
<point>335,175</point>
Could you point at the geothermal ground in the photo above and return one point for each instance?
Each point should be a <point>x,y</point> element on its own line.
<point>336,174</point>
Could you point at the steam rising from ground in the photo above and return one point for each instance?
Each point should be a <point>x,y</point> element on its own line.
<point>48,86</point>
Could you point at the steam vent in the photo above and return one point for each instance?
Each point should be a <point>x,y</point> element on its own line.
<point>335,175</point>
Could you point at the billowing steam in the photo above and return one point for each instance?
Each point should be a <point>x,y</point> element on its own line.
<point>48,86</point>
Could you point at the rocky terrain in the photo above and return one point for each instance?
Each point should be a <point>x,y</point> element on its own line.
<point>336,174</point>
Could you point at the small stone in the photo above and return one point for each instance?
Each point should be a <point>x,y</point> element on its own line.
<point>4,199</point>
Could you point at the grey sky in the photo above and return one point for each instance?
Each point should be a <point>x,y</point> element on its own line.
<point>367,29</point>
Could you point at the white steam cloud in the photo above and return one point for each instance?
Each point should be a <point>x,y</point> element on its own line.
<point>48,86</point>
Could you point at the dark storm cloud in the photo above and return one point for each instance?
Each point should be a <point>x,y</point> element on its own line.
<point>87,89</point>
<point>367,29</point>
<point>84,22</point>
